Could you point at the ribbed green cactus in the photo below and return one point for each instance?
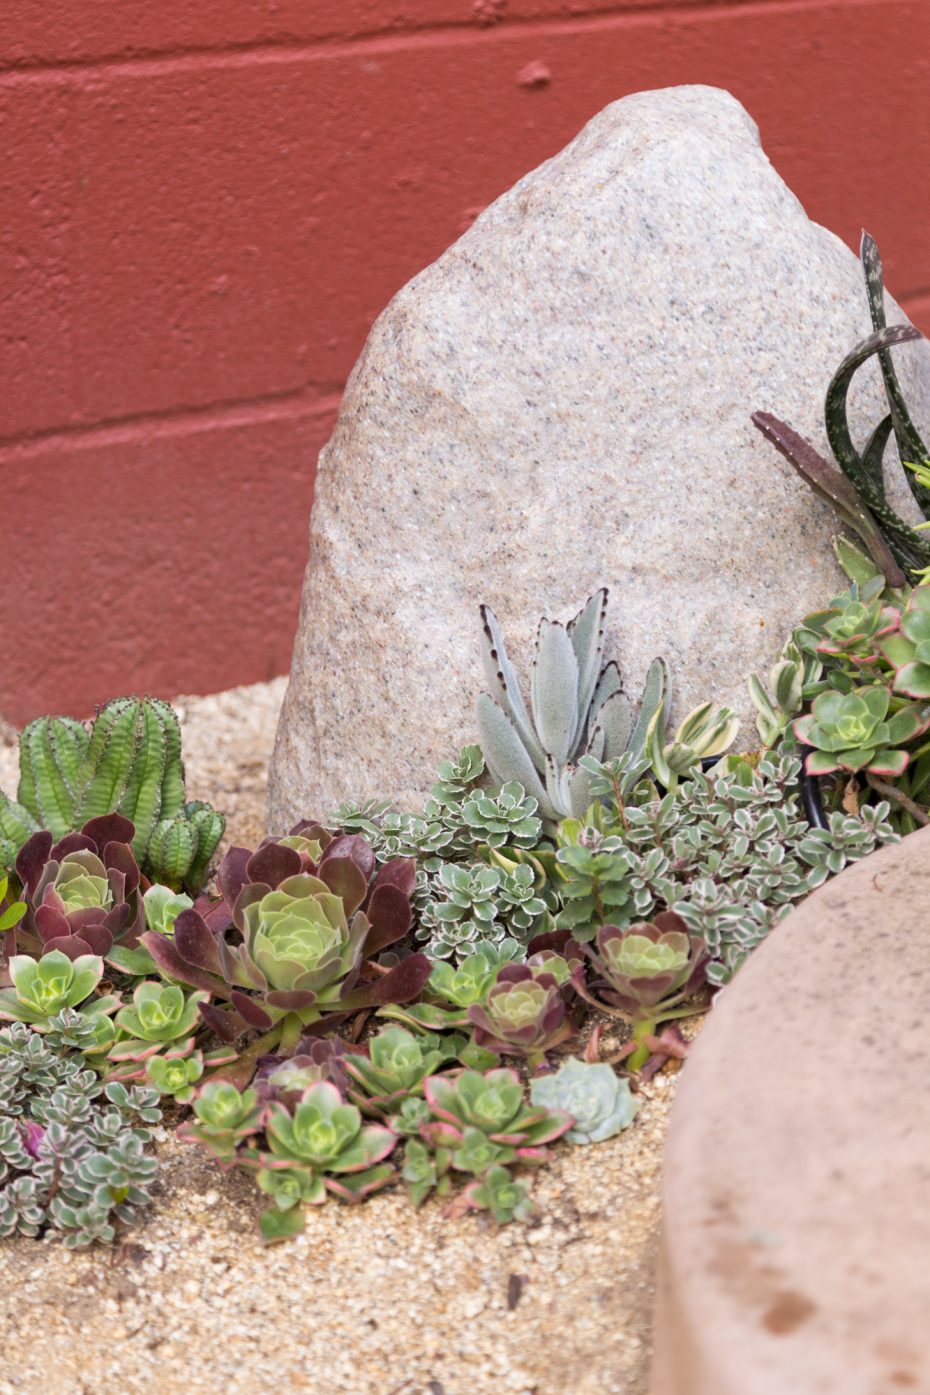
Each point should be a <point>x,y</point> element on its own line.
<point>129,761</point>
<point>181,847</point>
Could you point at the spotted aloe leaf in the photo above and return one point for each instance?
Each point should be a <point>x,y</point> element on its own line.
<point>833,487</point>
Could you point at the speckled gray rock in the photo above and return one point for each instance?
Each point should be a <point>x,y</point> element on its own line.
<point>563,400</point>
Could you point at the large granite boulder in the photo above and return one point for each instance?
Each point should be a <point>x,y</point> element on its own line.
<point>563,400</point>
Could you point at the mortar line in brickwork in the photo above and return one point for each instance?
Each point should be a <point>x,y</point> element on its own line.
<point>159,61</point>
<point>179,422</point>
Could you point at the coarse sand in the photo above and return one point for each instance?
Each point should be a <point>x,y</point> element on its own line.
<point>370,1300</point>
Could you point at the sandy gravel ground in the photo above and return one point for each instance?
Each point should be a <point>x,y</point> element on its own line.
<point>376,1300</point>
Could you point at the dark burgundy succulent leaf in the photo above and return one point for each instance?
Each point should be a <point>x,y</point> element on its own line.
<point>196,943</point>
<point>390,914</point>
<point>231,875</point>
<point>51,923</point>
<point>109,828</point>
<point>556,940</point>
<point>401,873</point>
<point>401,984</point>
<point>72,842</point>
<point>311,830</point>
<point>116,920</point>
<point>520,973</point>
<point>99,939</point>
<point>216,914</point>
<point>119,858</point>
<point>166,956</point>
<point>250,894</point>
<point>666,921</point>
<point>345,879</point>
<point>227,1025</point>
<point>74,946</point>
<point>290,999</point>
<point>251,1011</point>
<point>273,864</point>
<point>354,847</point>
<point>32,857</point>
<point>237,968</point>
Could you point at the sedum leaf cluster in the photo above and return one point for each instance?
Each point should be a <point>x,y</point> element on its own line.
<point>730,852</point>
<point>471,889</point>
<point>72,1150</point>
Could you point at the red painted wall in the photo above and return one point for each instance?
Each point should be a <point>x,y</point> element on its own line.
<point>203,207</point>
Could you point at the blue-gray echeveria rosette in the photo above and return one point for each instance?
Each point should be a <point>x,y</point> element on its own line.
<point>600,1103</point>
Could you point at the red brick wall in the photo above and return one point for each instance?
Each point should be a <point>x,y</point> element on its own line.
<point>204,206</point>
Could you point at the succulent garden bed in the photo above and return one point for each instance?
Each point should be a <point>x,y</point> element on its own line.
<point>471,1306</point>
<point>476,1008</point>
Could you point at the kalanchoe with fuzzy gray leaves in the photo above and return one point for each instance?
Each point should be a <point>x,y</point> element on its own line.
<point>72,1151</point>
<point>578,712</point>
<point>577,708</point>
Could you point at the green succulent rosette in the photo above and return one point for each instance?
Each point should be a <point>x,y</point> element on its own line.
<point>854,731</point>
<point>908,649</point>
<point>81,882</point>
<point>42,988</point>
<point>298,936</point>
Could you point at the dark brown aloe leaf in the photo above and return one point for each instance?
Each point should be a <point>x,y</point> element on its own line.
<point>391,916</point>
<point>874,455</point>
<point>833,487</point>
<point>835,416</point>
<point>273,864</point>
<point>32,857</point>
<point>908,545</point>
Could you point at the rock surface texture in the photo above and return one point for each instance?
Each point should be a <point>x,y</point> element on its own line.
<point>797,1186</point>
<point>561,401</point>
